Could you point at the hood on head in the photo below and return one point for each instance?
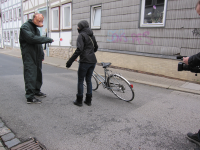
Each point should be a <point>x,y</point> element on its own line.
<point>83,24</point>
<point>84,27</point>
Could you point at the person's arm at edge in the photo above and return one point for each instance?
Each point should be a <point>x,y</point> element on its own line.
<point>193,60</point>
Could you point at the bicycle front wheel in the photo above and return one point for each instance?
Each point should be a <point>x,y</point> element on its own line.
<point>94,81</point>
<point>121,87</point>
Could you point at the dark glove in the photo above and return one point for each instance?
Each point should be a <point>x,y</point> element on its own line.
<point>68,64</point>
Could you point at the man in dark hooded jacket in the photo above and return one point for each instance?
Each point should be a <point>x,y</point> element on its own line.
<point>86,48</point>
<point>32,56</point>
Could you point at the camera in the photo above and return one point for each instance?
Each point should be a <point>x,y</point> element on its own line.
<point>183,67</point>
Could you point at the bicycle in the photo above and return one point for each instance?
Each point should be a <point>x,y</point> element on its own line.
<point>114,83</point>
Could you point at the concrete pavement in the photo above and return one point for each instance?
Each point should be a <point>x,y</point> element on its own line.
<point>152,80</point>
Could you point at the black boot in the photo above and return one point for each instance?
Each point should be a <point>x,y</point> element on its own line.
<point>79,100</point>
<point>88,99</point>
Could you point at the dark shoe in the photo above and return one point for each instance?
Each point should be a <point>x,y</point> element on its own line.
<point>79,100</point>
<point>193,138</point>
<point>40,94</point>
<point>33,101</point>
<point>88,99</point>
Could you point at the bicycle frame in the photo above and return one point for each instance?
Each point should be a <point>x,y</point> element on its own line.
<point>101,79</point>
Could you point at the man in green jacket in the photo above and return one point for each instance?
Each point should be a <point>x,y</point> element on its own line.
<point>32,57</point>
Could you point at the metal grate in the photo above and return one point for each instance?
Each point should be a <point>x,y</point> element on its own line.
<point>31,144</point>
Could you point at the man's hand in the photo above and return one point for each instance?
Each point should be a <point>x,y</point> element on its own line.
<point>185,60</point>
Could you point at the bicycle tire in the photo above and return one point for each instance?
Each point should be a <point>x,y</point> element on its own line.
<point>121,87</point>
<point>95,84</point>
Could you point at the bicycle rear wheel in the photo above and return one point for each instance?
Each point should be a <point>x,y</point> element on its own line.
<point>121,87</point>
<point>94,81</point>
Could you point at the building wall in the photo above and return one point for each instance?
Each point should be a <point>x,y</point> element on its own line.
<point>122,18</point>
<point>12,25</point>
<point>120,21</point>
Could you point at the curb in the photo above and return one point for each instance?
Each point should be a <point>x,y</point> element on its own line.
<point>7,137</point>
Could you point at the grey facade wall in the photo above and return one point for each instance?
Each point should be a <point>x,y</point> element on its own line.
<point>121,17</point>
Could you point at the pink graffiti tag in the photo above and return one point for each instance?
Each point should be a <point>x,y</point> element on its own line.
<point>118,37</point>
<point>136,37</point>
<point>145,34</point>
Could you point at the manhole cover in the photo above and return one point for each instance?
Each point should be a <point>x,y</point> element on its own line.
<point>31,144</point>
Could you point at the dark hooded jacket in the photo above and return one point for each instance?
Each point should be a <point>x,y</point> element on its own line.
<point>86,45</point>
<point>194,60</point>
<point>31,41</point>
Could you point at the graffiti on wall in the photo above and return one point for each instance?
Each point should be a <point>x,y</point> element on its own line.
<point>116,36</point>
<point>196,32</point>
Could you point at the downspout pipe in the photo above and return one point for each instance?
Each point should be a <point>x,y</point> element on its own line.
<point>22,13</point>
<point>47,45</point>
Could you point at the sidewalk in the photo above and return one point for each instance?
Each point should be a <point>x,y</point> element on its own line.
<point>130,76</point>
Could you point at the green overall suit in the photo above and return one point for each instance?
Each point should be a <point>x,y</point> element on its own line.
<point>32,56</point>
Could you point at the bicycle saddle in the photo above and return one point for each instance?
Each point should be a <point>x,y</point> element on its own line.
<point>105,65</point>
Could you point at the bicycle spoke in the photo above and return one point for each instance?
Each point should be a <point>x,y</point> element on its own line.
<point>121,88</point>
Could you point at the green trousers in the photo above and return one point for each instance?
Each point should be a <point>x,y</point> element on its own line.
<point>32,74</point>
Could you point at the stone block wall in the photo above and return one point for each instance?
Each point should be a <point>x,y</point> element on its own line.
<point>61,52</point>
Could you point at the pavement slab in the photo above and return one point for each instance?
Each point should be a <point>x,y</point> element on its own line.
<point>12,143</point>
<point>4,131</point>
<point>8,137</point>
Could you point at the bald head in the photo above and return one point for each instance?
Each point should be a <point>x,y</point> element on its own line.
<point>38,19</point>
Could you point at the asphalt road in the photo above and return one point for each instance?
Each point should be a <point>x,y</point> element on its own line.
<point>157,119</point>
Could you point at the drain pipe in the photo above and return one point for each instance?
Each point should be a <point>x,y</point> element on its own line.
<point>47,45</point>
<point>22,13</point>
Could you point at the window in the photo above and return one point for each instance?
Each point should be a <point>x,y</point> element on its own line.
<point>30,16</point>
<point>25,18</point>
<point>8,36</point>
<point>19,12</point>
<point>66,16</point>
<point>96,17</point>
<point>5,39</point>
<point>55,18</point>
<point>153,13</point>
<point>3,17</point>
<point>14,14</point>
<point>16,37</point>
<point>6,16</point>
<point>10,14</point>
